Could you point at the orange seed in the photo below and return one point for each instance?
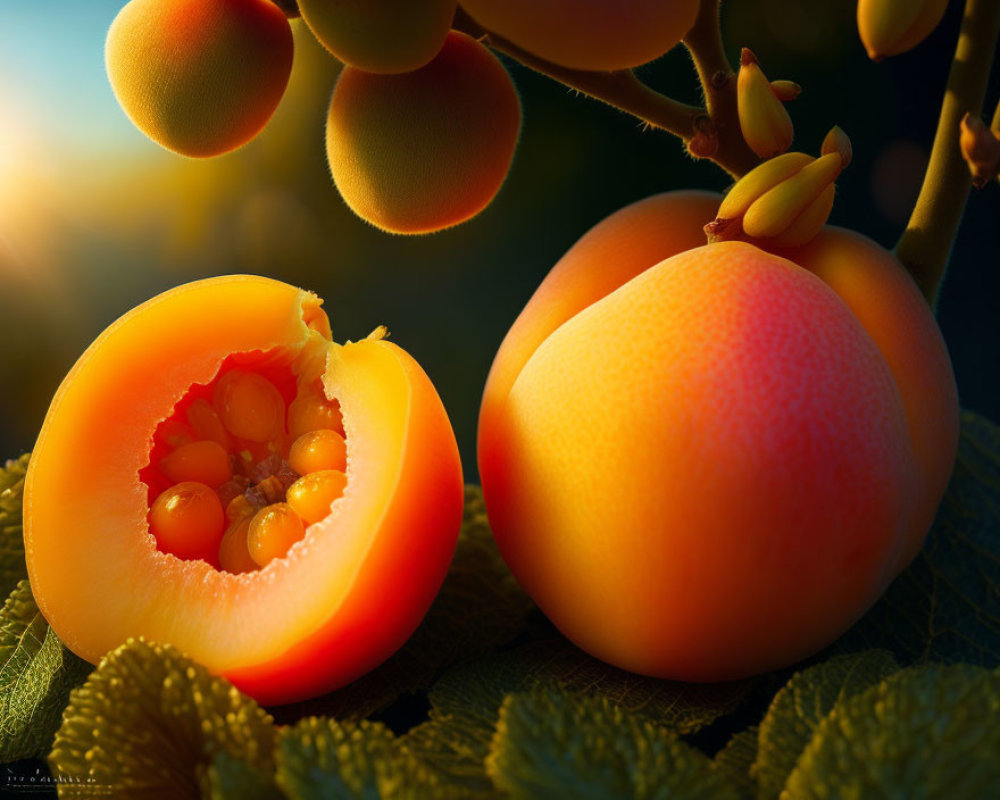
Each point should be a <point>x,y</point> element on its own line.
<point>206,422</point>
<point>272,531</point>
<point>311,411</point>
<point>249,406</point>
<point>203,462</point>
<point>312,495</point>
<point>234,551</point>
<point>240,508</point>
<point>318,450</point>
<point>187,521</point>
<point>174,433</point>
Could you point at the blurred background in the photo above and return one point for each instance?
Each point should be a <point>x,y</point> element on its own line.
<point>94,218</point>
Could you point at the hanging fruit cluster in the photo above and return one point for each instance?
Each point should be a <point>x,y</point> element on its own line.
<point>424,120</point>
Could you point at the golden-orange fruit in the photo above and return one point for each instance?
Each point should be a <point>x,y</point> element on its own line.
<point>386,36</point>
<point>607,256</point>
<point>426,150</point>
<point>882,295</point>
<point>299,607</point>
<point>710,465</point>
<point>595,34</point>
<point>199,77</point>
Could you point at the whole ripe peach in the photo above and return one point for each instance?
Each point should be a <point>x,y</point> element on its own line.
<point>423,151</point>
<point>595,34</point>
<point>387,36</point>
<point>199,77</point>
<point>708,466</point>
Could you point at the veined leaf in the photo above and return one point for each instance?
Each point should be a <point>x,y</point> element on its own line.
<point>551,744</point>
<point>929,731</point>
<point>36,676</point>
<point>228,778</point>
<point>465,704</point>
<point>735,762</point>
<point>803,703</point>
<point>149,721</point>
<point>682,707</point>
<point>12,567</point>
<point>322,759</point>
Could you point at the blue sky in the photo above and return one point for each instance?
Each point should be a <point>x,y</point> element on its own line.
<point>52,71</point>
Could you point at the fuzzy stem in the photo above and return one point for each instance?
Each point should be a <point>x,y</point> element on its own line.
<point>704,43</point>
<point>926,243</point>
<point>624,91</point>
<point>620,89</point>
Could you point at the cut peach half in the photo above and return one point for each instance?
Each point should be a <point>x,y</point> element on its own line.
<point>227,360</point>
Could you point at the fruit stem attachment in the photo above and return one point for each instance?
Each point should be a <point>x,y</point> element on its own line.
<point>623,90</point>
<point>926,243</point>
<point>704,43</point>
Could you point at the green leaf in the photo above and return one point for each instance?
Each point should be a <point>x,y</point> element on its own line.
<point>946,605</point>
<point>479,607</point>
<point>454,753</point>
<point>465,704</point>
<point>36,676</point>
<point>228,778</point>
<point>481,685</point>
<point>930,731</point>
<point>149,721</point>
<point>322,759</point>
<point>735,762</point>
<point>803,703</point>
<point>12,566</point>
<point>551,744</point>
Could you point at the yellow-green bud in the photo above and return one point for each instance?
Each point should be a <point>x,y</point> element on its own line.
<point>785,201</point>
<point>890,27</point>
<point>764,122</point>
<point>981,150</point>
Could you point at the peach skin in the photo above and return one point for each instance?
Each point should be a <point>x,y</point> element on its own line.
<point>706,462</point>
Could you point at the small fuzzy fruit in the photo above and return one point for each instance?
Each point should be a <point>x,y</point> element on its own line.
<point>595,35</point>
<point>423,151</point>
<point>289,585</point>
<point>709,466</point>
<point>387,36</point>
<point>199,77</point>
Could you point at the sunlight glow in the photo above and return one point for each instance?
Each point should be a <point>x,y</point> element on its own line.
<point>24,192</point>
